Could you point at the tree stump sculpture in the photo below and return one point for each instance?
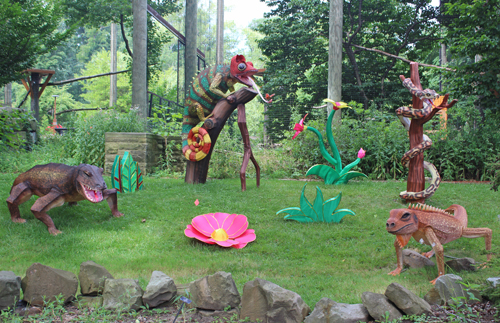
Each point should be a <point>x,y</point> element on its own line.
<point>421,112</point>
<point>196,172</point>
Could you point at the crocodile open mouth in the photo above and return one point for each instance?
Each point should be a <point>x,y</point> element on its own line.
<point>93,196</point>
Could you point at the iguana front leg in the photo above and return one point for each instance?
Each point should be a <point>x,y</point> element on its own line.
<point>438,249</point>
<point>399,257</point>
<point>45,203</point>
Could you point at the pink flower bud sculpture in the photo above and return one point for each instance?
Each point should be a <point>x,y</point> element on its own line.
<point>226,230</point>
<point>337,174</point>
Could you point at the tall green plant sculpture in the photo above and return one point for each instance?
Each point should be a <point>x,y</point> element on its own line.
<point>337,174</point>
<point>319,211</point>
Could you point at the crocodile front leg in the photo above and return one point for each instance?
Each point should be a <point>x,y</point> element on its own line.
<point>112,199</point>
<point>45,203</point>
<point>18,195</point>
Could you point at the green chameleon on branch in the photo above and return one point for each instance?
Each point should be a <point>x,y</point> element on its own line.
<point>207,88</point>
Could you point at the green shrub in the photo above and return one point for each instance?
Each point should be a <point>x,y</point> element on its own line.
<point>11,122</point>
<point>458,154</point>
<point>85,144</point>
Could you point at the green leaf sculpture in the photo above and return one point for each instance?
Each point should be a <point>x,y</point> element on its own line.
<point>126,176</point>
<point>337,174</point>
<point>319,211</point>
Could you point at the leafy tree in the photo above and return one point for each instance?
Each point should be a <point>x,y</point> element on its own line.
<point>28,28</point>
<point>296,45</point>
<point>473,36</point>
<point>97,13</point>
<point>97,89</point>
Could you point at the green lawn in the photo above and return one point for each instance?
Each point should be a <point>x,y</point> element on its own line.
<point>339,261</point>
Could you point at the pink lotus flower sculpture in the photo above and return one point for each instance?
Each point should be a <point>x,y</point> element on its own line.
<point>226,230</point>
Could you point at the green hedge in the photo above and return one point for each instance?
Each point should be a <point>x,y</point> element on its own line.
<point>458,154</point>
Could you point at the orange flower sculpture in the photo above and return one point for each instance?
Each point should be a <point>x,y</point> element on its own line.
<point>226,230</point>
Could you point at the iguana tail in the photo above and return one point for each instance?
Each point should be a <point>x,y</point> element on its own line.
<point>459,212</point>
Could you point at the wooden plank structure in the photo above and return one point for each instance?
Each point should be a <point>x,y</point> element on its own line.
<point>32,84</point>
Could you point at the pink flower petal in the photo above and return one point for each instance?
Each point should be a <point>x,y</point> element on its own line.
<point>235,225</point>
<point>205,224</point>
<point>196,202</point>
<point>361,153</point>
<point>191,232</point>
<point>245,238</point>
<point>227,243</point>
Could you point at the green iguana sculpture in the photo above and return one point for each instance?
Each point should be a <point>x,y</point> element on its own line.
<point>56,184</point>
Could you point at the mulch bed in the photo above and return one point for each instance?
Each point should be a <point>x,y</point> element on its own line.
<point>482,312</point>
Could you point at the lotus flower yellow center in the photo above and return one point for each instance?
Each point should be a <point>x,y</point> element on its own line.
<point>219,235</point>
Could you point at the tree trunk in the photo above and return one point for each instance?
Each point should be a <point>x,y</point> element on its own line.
<point>196,172</point>
<point>35,94</point>
<point>220,33</point>
<point>335,56</point>
<point>113,77</point>
<point>191,30</point>
<point>139,62</point>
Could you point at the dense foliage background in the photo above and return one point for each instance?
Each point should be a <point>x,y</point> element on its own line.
<point>291,42</point>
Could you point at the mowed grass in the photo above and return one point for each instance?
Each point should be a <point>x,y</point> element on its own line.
<point>339,261</point>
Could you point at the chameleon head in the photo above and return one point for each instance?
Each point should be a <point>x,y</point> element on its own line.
<point>242,71</point>
<point>402,222</point>
<point>90,182</point>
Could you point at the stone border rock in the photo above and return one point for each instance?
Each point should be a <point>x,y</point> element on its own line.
<point>216,294</point>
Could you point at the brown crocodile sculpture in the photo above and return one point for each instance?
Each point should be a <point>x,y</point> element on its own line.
<point>433,227</point>
<point>56,184</point>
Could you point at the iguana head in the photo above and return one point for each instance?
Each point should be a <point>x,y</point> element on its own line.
<point>242,71</point>
<point>402,223</point>
<point>89,182</point>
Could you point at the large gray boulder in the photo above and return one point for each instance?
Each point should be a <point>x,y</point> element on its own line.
<point>160,290</point>
<point>43,281</point>
<point>406,301</point>
<point>271,303</point>
<point>462,264</point>
<point>215,292</point>
<point>122,295</point>
<point>494,281</point>
<point>452,291</point>
<point>413,259</point>
<point>328,311</point>
<point>449,287</point>
<point>10,289</point>
<point>92,277</point>
<point>380,307</point>
<point>432,297</point>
